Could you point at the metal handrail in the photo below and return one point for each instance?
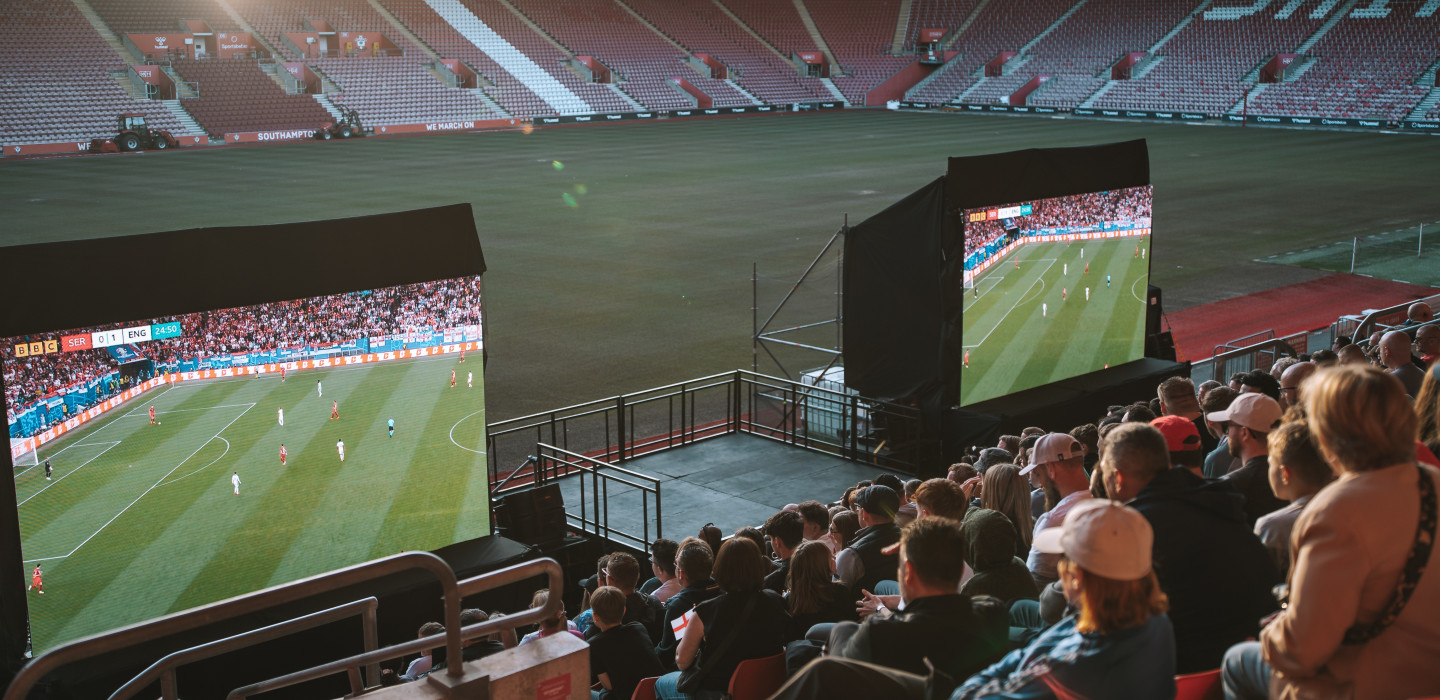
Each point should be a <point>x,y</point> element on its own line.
<point>220,611</point>
<point>454,663</point>
<point>164,669</point>
<point>1366,327</point>
<point>598,499</point>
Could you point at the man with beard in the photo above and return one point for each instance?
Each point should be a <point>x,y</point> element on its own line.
<point>1057,467</point>
<point>1248,422</point>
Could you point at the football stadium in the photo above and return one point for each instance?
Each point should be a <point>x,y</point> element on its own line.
<point>1053,325</point>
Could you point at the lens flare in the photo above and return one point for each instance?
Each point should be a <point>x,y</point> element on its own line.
<point>581,190</point>
<point>558,165</point>
<point>569,200</point>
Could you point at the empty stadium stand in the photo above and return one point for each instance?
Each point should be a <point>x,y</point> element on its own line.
<point>936,14</point>
<point>236,96</point>
<point>55,82</point>
<point>273,18</point>
<point>1000,26</point>
<point>388,91</point>
<point>855,31</point>
<point>126,16</point>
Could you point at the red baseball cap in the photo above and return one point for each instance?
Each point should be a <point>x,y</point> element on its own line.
<point>1180,433</point>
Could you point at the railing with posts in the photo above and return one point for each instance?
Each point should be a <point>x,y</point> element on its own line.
<point>624,427</point>
<point>1362,327</point>
<point>452,591</point>
<point>599,482</point>
<point>1258,356</point>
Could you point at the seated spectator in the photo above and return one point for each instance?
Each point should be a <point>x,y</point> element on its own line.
<point>662,565</point>
<point>1177,398</point>
<point>843,526</point>
<point>1290,382</point>
<point>1362,608</point>
<point>1057,467</point>
<point>990,547</point>
<point>993,455</point>
<point>1009,443</point>
<point>1325,358</point>
<point>1352,355</point>
<point>622,573</point>
<point>814,597</point>
<point>755,617</point>
<point>1183,440</point>
<point>1260,382</point>
<point>1119,644</point>
<point>892,481</point>
<point>711,535</point>
<point>1003,490</point>
<point>692,567</point>
<point>471,649</point>
<point>1395,356</point>
<point>1089,437</point>
<point>1297,472</point>
<point>421,666</point>
<point>1248,421</point>
<point>621,654</point>
<point>863,563</point>
<point>943,498</point>
<point>1219,462</point>
<point>817,519</point>
<point>961,472</point>
<point>1138,413</point>
<point>1427,345</point>
<point>1214,570</point>
<point>554,624</point>
<point>785,531</point>
<point>907,512</point>
<point>1206,386</point>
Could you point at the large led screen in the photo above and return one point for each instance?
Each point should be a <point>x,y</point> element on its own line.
<point>1054,288</point>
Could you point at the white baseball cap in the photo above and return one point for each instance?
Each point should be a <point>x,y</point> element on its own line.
<point>1103,537</point>
<point>1254,411</point>
<point>1053,447</point>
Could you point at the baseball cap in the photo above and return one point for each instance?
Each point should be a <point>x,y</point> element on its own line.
<point>1180,433</point>
<point>1253,411</point>
<point>1053,447</point>
<point>1103,537</point>
<point>878,500</point>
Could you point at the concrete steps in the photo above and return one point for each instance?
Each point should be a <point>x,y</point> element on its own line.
<point>820,44</point>
<point>902,23</point>
<point>192,127</point>
<point>105,32</point>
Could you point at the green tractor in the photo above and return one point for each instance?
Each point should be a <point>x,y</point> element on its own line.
<point>349,125</point>
<point>134,135</point>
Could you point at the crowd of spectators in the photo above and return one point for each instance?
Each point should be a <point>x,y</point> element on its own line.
<point>1296,507</point>
<point>1128,205</point>
<point>287,324</point>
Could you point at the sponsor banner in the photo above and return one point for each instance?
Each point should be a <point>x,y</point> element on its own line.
<point>161,44</point>
<point>262,136</point>
<point>428,127</point>
<point>233,44</point>
<point>36,149</point>
<point>1422,126</point>
<point>55,431</point>
<point>1269,120</point>
<point>754,109</point>
<point>590,118</point>
<point>1172,115</point>
<point>967,107</point>
<point>983,265</point>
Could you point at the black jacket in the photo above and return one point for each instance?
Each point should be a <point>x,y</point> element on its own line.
<point>1210,564</point>
<point>642,608</point>
<point>945,629</point>
<point>868,545</point>
<point>1252,480</point>
<point>775,580</point>
<point>990,545</point>
<point>679,604</point>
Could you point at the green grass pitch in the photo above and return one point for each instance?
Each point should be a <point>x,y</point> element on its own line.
<point>1020,331</point>
<point>141,520</point>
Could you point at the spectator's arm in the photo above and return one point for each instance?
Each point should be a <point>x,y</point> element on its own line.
<point>848,568</point>
<point>690,644</point>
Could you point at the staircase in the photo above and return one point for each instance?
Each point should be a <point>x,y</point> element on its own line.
<point>830,85</point>
<point>1329,24</point>
<point>1151,58</point>
<point>544,85</point>
<point>184,89</point>
<point>1199,9</point>
<point>747,93</point>
<point>490,103</point>
<point>245,26</point>
<point>281,77</point>
<point>628,99</point>
<point>329,106</point>
<point>751,31</point>
<point>974,15</point>
<point>1055,25</point>
<point>403,30</point>
<point>653,28</point>
<point>1425,105</point>
<point>902,23</point>
<point>103,29</point>
<point>192,127</point>
<point>123,79</point>
<point>933,75</point>
<point>1240,105</point>
<point>820,44</point>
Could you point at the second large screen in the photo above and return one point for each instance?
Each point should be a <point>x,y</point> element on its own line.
<point>1054,288</point>
<point>164,463</point>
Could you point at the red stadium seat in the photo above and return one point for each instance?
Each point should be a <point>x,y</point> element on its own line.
<point>645,690</point>
<point>1199,686</point>
<point>757,679</point>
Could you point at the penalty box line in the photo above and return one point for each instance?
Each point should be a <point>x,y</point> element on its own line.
<point>146,492</point>
<point>1001,322</point>
<point>111,446</point>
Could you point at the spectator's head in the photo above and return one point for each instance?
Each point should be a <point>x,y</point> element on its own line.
<point>992,455</point>
<point>1027,443</point>
<point>1138,413</point>
<point>1321,358</point>
<point>607,606</point>
<point>1003,489</point>
<point>940,497</point>
<point>711,535</point>
<point>848,500</point>
<point>911,487</point>
<point>876,504</point>
<point>1258,381</point>
<point>1134,454</point>
<point>817,519</point>
<point>1177,397</point>
<point>890,480</point>
<point>474,616</point>
<point>1182,438</point>
<point>623,572</point>
<point>754,535</point>
<point>662,558</point>
<point>1427,341</point>
<point>932,558</point>
<point>1340,342</point>
<point>1089,437</point>
<point>1032,430</point>
<point>1394,349</point>
<point>1057,458</point>
<point>1248,420</point>
<point>1281,365</point>
<point>811,569</point>
<point>843,526</point>
<point>1290,382</point>
<point>1206,386</point>
<point>1296,467</point>
<point>556,620</point>
<point>1217,401</point>
<point>694,562</point>
<point>1009,443</point>
<point>961,473</point>
<point>1106,572</point>
<point>1360,418</point>
<point>430,629</point>
<point>740,567</point>
<point>1419,312</point>
<point>786,530</point>
<point>1351,355</point>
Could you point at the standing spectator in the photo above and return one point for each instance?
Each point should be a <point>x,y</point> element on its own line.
<point>1249,421</point>
<point>1290,382</point>
<point>1427,344</point>
<point>754,616</point>
<point>1214,570</point>
<point>1057,466</point>
<point>1219,461</point>
<point>621,654</point>
<point>785,531</point>
<point>1297,472</point>
<point>1177,398</point>
<point>864,562</point>
<point>1363,606</point>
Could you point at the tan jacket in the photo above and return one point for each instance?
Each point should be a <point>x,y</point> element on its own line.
<point>1347,552</point>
